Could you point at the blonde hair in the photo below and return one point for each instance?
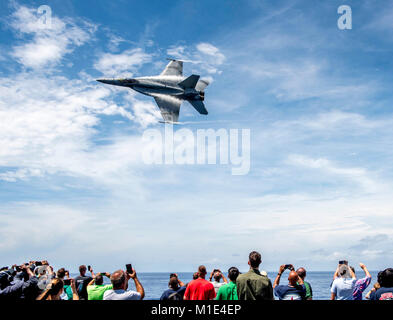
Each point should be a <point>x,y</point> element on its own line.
<point>53,289</point>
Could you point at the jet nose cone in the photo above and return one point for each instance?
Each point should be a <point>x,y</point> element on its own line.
<point>107,81</point>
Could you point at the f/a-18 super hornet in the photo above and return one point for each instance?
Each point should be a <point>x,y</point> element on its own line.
<point>169,89</point>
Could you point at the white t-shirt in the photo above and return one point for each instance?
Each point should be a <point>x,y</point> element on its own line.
<point>120,294</point>
<point>343,288</point>
<point>217,285</point>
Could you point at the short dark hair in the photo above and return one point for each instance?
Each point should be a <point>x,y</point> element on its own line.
<point>82,268</point>
<point>233,273</point>
<point>255,259</point>
<point>173,283</point>
<point>99,279</point>
<point>195,275</point>
<point>301,272</point>
<point>385,278</point>
<point>217,276</point>
<point>61,273</point>
<point>118,278</point>
<point>202,270</point>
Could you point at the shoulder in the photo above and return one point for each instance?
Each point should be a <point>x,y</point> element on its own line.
<point>132,295</point>
<point>108,292</point>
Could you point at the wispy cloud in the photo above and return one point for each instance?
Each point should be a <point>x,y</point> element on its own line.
<point>122,64</point>
<point>50,43</point>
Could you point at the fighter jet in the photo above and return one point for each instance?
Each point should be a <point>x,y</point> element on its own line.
<point>169,89</point>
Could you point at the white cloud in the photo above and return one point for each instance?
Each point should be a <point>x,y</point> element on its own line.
<point>204,55</point>
<point>47,124</point>
<point>358,175</point>
<point>50,43</point>
<point>123,64</point>
<point>210,50</point>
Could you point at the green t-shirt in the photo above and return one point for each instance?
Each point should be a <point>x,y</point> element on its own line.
<point>96,292</point>
<point>227,292</point>
<point>68,292</point>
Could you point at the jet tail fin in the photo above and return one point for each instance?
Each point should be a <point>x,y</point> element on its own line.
<point>190,82</point>
<point>199,106</point>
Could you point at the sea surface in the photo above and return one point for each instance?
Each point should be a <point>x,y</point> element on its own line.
<point>155,283</point>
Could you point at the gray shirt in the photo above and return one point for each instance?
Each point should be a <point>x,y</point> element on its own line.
<point>343,288</point>
<point>120,294</point>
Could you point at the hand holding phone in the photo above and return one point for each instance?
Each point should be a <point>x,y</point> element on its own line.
<point>129,268</point>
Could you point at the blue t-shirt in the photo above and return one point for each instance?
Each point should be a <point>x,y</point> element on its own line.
<point>286,292</point>
<point>343,288</point>
<point>382,294</point>
<point>171,294</point>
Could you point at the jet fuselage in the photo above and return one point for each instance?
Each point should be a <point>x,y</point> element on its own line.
<point>158,85</point>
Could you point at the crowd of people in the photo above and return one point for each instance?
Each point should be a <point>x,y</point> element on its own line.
<point>37,280</point>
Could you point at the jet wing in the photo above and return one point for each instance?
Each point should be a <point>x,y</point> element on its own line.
<point>174,68</point>
<point>169,107</point>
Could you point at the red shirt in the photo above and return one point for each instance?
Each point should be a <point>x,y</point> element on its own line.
<point>199,289</point>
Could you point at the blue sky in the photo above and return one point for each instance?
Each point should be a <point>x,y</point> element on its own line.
<point>317,100</point>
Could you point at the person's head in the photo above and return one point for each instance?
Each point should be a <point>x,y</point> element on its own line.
<point>293,278</point>
<point>61,273</point>
<point>202,272</point>
<point>99,279</point>
<point>82,270</point>
<point>118,280</point>
<point>5,278</point>
<point>301,273</point>
<point>173,283</point>
<point>217,276</point>
<point>195,276</point>
<point>53,291</point>
<point>254,259</point>
<point>233,273</point>
<point>377,286</point>
<point>343,271</point>
<point>385,278</point>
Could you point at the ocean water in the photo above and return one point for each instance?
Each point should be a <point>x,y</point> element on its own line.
<point>155,283</point>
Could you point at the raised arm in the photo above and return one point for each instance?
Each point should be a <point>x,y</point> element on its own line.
<point>353,276</point>
<point>365,270</point>
<point>138,285</point>
<point>223,278</point>
<point>74,292</point>
<point>336,274</point>
<point>277,280</point>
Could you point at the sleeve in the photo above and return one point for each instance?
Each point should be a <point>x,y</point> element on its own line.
<point>278,291</point>
<point>187,293</point>
<point>133,295</point>
<point>373,295</point>
<point>212,293</point>
<point>12,289</point>
<point>163,295</point>
<point>269,293</point>
<point>362,284</point>
<point>219,293</point>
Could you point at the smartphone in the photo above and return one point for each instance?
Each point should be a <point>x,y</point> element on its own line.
<point>343,262</point>
<point>67,282</point>
<point>129,268</point>
<point>89,268</point>
<point>38,263</point>
<point>288,266</point>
